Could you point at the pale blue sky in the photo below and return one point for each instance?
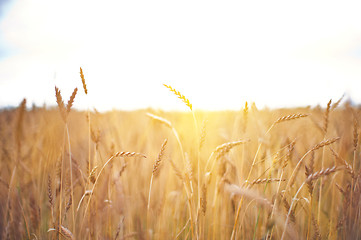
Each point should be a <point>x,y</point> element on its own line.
<point>219,54</point>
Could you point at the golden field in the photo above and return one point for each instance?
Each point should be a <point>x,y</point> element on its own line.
<point>247,174</point>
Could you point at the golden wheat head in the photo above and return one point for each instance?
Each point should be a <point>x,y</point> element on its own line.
<point>71,100</point>
<point>291,117</point>
<point>180,96</point>
<point>60,102</point>
<point>160,156</point>
<point>83,81</point>
<point>325,143</point>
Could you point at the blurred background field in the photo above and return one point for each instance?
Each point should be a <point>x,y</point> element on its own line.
<point>42,199</point>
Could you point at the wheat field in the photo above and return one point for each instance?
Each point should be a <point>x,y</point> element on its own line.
<point>149,174</point>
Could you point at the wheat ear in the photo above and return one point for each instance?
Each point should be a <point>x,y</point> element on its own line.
<point>180,96</point>
<point>266,180</point>
<point>71,100</point>
<point>60,102</point>
<point>155,170</point>
<point>291,117</point>
<point>325,118</point>
<point>83,81</point>
<point>222,150</point>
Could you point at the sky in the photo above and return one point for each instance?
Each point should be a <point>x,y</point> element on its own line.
<point>219,54</point>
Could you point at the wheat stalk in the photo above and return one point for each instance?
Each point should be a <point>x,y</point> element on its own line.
<point>202,137</point>
<point>60,102</point>
<point>122,169</point>
<point>64,111</point>
<point>266,180</point>
<point>159,158</point>
<point>298,166</point>
<point>50,198</point>
<point>129,154</point>
<point>71,100</point>
<point>312,177</point>
<point>335,105</point>
<point>188,191</point>
<point>290,149</point>
<point>92,174</point>
<point>290,117</point>
<point>317,233</point>
<point>321,173</point>
<point>226,147</point>
<point>19,125</point>
<point>155,170</point>
<point>263,202</point>
<point>245,116</point>
<point>178,173</point>
<point>292,213</point>
<point>308,171</point>
<point>325,122</point>
<point>180,96</point>
<point>83,81</point>
<point>222,150</point>
<point>160,119</point>
<point>325,143</point>
<point>64,232</point>
<point>118,154</point>
<point>355,133</point>
<point>86,193</point>
<point>204,199</point>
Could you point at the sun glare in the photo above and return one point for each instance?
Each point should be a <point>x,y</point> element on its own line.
<point>220,54</point>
